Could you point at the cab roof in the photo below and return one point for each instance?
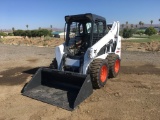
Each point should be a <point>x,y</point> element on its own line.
<point>83,17</point>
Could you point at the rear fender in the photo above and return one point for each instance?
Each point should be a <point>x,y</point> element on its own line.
<point>104,56</point>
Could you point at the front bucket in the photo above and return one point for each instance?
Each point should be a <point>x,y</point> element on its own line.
<point>62,89</point>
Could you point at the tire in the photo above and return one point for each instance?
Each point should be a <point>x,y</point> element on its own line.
<point>99,73</point>
<point>53,65</point>
<point>114,65</point>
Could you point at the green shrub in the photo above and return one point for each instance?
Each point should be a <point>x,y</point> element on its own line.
<point>28,33</point>
<point>44,32</point>
<point>10,34</point>
<point>18,33</point>
<point>3,34</point>
<point>127,33</point>
<point>140,32</point>
<point>121,32</point>
<point>150,31</point>
<point>32,33</point>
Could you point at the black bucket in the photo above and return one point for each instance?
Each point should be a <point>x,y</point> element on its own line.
<point>63,89</point>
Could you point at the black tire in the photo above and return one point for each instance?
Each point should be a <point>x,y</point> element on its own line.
<point>114,65</point>
<point>96,73</point>
<point>53,65</point>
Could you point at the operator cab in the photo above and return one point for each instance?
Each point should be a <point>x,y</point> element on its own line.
<point>78,35</point>
<point>82,32</point>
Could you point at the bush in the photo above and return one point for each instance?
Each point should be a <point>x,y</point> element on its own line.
<point>10,34</point>
<point>28,33</point>
<point>150,31</point>
<point>32,33</point>
<point>121,32</point>
<point>127,33</point>
<point>3,34</point>
<point>140,32</point>
<point>18,33</point>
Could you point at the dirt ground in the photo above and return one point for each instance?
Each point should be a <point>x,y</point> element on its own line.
<point>133,95</point>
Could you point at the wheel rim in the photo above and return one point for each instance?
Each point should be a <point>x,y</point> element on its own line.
<point>103,73</point>
<point>117,66</point>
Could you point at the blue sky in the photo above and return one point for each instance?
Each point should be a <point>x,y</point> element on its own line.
<point>43,13</point>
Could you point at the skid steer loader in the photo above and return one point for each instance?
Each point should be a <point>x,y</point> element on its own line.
<point>89,56</point>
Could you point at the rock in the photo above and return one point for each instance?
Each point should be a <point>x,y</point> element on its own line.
<point>117,94</point>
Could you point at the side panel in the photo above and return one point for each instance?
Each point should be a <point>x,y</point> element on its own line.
<point>59,54</point>
<point>118,47</point>
<point>92,52</point>
<point>87,60</point>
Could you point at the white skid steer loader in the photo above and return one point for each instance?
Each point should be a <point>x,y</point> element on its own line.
<point>90,55</point>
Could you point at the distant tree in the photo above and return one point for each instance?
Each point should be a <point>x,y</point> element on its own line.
<point>140,23</point>
<point>122,25</point>
<point>131,25</point>
<point>13,29</point>
<point>151,22</point>
<point>27,27</point>
<point>159,20</point>
<point>44,32</point>
<point>127,33</point>
<point>39,28</point>
<point>136,26</point>
<point>126,24</point>
<point>51,27</point>
<point>10,34</point>
<point>34,33</point>
<point>150,31</point>
<point>19,33</point>
<point>28,33</point>
<point>3,34</point>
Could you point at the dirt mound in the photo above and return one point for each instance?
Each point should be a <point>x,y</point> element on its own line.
<point>43,41</point>
<point>132,46</point>
<point>143,47</point>
<point>151,46</point>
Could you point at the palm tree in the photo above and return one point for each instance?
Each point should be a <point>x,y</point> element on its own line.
<point>136,26</point>
<point>151,22</point>
<point>131,25</point>
<point>27,27</point>
<point>122,25</point>
<point>159,20</point>
<point>13,29</point>
<point>51,26</point>
<point>127,24</point>
<point>140,23</point>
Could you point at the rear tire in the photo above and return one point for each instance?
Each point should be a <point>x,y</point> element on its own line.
<point>99,73</point>
<point>114,65</point>
<point>53,65</point>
